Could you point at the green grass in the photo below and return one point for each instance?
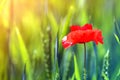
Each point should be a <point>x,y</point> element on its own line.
<point>30,40</point>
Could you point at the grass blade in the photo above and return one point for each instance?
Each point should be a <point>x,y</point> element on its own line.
<point>105,66</point>
<point>24,73</point>
<point>117,39</point>
<point>18,51</point>
<point>77,74</point>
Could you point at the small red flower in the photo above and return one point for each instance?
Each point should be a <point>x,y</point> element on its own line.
<point>82,35</point>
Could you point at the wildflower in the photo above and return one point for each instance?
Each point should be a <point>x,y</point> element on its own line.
<point>82,35</point>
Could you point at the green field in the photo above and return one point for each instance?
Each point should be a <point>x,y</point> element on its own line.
<point>31,33</point>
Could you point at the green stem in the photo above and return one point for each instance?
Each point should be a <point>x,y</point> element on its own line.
<point>84,74</point>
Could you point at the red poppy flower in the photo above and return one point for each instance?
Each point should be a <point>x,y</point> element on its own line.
<point>82,35</point>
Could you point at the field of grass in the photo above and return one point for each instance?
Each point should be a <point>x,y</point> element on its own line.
<point>31,33</point>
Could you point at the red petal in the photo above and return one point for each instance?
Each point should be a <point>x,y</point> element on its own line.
<point>75,27</point>
<point>85,27</point>
<point>66,43</point>
<point>98,37</point>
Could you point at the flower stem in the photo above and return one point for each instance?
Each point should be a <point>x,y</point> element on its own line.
<point>84,73</point>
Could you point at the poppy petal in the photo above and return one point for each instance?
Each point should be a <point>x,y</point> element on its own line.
<point>66,43</point>
<point>75,27</point>
<point>98,37</point>
<point>85,27</point>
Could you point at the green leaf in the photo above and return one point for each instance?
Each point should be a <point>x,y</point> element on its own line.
<point>53,24</point>
<point>105,66</point>
<point>77,74</point>
<point>117,39</point>
<point>73,77</point>
<point>117,77</point>
<point>55,72</point>
<point>116,73</point>
<point>105,77</point>
<point>54,30</point>
<point>66,63</point>
<point>19,52</point>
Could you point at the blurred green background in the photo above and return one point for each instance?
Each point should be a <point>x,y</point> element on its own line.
<point>31,33</point>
